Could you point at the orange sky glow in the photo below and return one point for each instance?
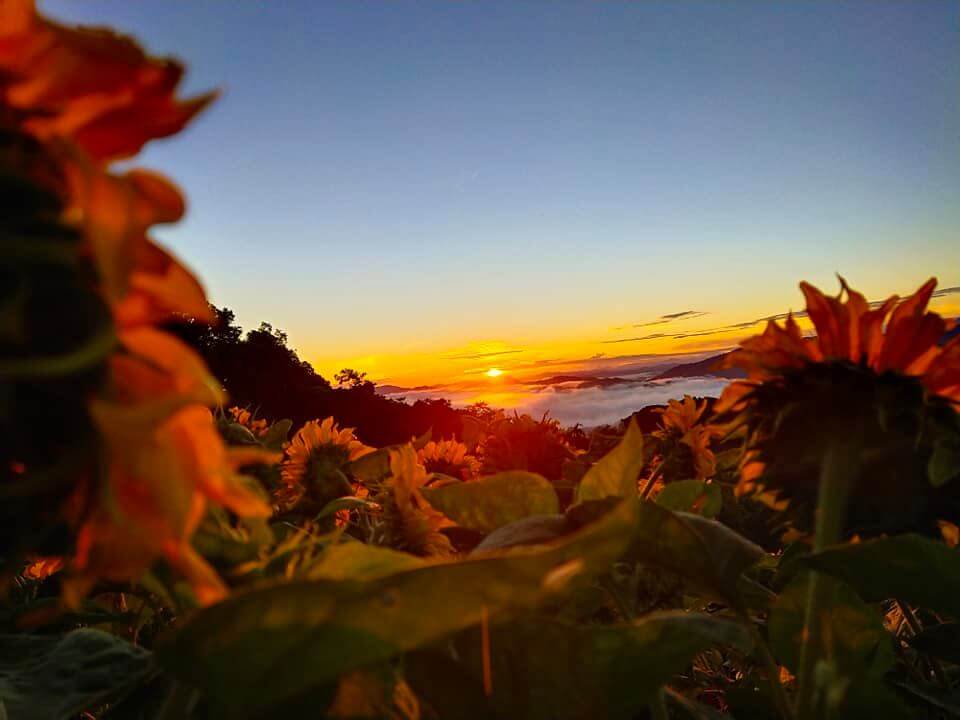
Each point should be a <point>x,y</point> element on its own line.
<point>490,369</point>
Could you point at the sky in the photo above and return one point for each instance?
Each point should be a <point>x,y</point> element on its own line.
<point>427,190</point>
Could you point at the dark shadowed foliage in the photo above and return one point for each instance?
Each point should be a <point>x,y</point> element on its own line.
<point>261,371</point>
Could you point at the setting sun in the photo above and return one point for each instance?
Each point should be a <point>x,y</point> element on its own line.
<point>494,372</point>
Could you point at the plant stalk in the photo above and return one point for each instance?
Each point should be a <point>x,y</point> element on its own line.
<point>839,469</point>
<point>658,708</point>
<point>772,670</point>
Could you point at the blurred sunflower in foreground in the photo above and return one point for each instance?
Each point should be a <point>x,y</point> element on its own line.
<point>449,457</point>
<point>109,447</point>
<point>876,387</point>
<point>313,468</point>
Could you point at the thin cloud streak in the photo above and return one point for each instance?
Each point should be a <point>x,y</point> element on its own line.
<point>668,318</point>
<point>746,325</point>
<point>480,356</point>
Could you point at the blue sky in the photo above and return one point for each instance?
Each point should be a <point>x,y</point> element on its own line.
<point>392,181</point>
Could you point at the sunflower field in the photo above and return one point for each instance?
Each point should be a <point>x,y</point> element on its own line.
<point>788,551</point>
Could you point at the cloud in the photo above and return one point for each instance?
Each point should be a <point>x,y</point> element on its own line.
<point>668,318</point>
<point>745,325</point>
<point>589,406</point>
<point>682,314</point>
<point>480,356</point>
<point>654,336</point>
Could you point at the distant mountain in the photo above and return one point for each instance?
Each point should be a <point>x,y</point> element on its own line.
<point>707,366</point>
<point>583,381</point>
<point>398,389</point>
<point>710,365</point>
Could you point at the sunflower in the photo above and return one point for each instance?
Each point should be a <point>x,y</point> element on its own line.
<point>409,522</point>
<point>42,568</point>
<point>73,101</point>
<point>243,417</point>
<point>522,443</point>
<point>874,378</point>
<point>314,463</point>
<point>165,462</point>
<point>685,441</point>
<point>448,457</point>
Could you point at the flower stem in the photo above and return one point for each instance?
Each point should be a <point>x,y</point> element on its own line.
<point>772,670</point>
<point>658,708</point>
<point>839,468</point>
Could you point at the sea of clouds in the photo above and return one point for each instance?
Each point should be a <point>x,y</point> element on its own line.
<point>589,406</point>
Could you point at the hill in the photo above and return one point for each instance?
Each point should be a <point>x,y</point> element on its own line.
<point>708,366</point>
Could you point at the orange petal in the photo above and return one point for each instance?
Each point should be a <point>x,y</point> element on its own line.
<point>871,331</point>
<point>156,296</point>
<point>186,367</point>
<point>825,314</point>
<point>856,306</point>
<point>207,463</point>
<point>123,131</point>
<point>943,375</point>
<point>911,344</point>
<point>203,579</point>
<point>88,85</point>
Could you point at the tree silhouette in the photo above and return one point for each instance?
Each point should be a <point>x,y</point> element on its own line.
<point>259,370</point>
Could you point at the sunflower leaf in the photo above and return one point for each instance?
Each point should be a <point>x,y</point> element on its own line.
<point>857,657</point>
<point>616,472</point>
<point>708,554</point>
<point>692,496</point>
<point>239,651</point>
<point>912,568</point>
<point>492,502</point>
<point>48,677</point>
<point>618,668</point>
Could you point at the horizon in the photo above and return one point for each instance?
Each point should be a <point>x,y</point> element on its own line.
<point>656,152</point>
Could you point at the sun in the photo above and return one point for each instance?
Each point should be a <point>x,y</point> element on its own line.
<point>494,372</point>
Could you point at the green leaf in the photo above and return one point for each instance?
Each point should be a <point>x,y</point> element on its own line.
<point>854,629</point>
<point>492,502</point>
<point>348,502</point>
<point>421,442</point>
<point>276,434</point>
<point>445,687</point>
<point>547,670</point>
<point>709,555</point>
<point>692,496</point>
<point>371,468</point>
<point>616,472</point>
<point>912,568</point>
<point>729,459</point>
<point>535,530</point>
<point>272,644</point>
<point>354,560</point>
<point>944,463</point>
<point>857,650</point>
<point>942,641</point>
<point>47,677</point>
<point>946,700</point>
